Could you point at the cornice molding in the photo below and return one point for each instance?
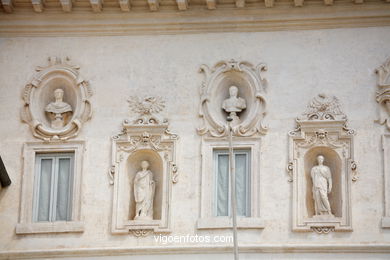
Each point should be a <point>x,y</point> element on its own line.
<point>195,20</point>
<point>203,249</point>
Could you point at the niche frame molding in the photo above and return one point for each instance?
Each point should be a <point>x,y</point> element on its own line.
<point>146,134</point>
<point>61,70</point>
<point>322,129</point>
<point>212,125</point>
<point>383,100</point>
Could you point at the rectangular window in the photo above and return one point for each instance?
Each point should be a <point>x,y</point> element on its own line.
<point>222,187</point>
<point>53,187</point>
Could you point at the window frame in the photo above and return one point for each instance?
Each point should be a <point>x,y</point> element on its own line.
<point>26,224</point>
<point>207,218</point>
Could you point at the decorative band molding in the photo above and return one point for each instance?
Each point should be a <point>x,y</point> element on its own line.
<point>235,20</point>
<point>116,251</point>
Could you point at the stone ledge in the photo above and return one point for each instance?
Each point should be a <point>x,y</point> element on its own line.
<point>248,20</point>
<point>226,223</point>
<point>204,249</point>
<point>49,227</point>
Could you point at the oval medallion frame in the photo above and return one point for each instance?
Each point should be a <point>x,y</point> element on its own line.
<point>214,89</point>
<point>38,93</point>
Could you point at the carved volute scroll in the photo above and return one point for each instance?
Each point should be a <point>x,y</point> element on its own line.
<point>322,168</point>
<point>56,101</point>
<point>383,94</point>
<point>143,170</point>
<point>383,99</point>
<point>249,106</point>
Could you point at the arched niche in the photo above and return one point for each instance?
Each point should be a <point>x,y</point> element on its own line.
<point>39,93</point>
<point>146,138</point>
<point>221,92</point>
<point>334,162</point>
<point>156,166</point>
<point>325,134</point>
<point>45,96</point>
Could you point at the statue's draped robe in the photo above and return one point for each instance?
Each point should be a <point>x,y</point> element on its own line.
<point>234,104</point>
<point>58,107</point>
<point>321,177</point>
<point>144,188</point>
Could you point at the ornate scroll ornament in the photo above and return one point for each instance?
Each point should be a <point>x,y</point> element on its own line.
<point>147,108</point>
<point>322,131</point>
<point>383,94</point>
<point>323,230</point>
<point>141,232</point>
<point>250,82</point>
<point>323,107</point>
<point>60,74</point>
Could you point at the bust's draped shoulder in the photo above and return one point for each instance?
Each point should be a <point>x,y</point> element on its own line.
<point>58,108</point>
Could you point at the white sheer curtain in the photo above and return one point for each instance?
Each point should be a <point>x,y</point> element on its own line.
<point>54,187</point>
<point>223,197</point>
<point>44,189</point>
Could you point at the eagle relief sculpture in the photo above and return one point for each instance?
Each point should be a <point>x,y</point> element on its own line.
<point>146,108</point>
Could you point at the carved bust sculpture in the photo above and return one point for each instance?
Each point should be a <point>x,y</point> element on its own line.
<point>234,105</point>
<point>322,186</point>
<point>58,110</point>
<point>144,188</point>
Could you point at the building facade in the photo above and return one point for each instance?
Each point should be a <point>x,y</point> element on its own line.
<point>114,130</point>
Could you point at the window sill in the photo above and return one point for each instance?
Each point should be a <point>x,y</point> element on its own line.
<point>226,222</point>
<point>49,227</point>
<point>386,222</point>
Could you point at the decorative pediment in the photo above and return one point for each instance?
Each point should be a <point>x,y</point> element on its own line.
<point>383,94</point>
<point>145,148</point>
<point>323,107</point>
<point>234,89</point>
<point>56,101</point>
<point>322,168</point>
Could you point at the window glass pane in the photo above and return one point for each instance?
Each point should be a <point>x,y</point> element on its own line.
<point>223,185</point>
<point>241,184</point>
<point>44,190</point>
<point>63,189</point>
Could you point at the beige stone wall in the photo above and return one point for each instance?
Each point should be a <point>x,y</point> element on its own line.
<point>301,64</point>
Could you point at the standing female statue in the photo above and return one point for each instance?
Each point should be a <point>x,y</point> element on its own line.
<point>144,188</point>
<point>322,186</point>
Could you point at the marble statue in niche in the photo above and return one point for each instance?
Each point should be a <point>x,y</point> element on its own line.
<point>322,186</point>
<point>234,105</point>
<point>144,189</point>
<point>58,110</point>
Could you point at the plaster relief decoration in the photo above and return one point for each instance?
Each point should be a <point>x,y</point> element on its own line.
<point>56,101</point>
<point>322,168</point>
<point>236,89</point>
<point>143,170</point>
<point>383,94</point>
<point>383,99</point>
